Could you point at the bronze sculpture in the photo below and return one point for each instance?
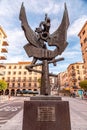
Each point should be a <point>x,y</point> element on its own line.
<point>37,48</point>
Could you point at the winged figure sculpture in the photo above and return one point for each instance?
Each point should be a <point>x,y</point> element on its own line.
<point>36,47</point>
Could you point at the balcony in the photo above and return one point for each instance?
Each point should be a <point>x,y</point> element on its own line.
<point>3,57</point>
<point>5,43</point>
<point>4,50</point>
<point>74,80</point>
<point>8,80</point>
<point>2,65</point>
<point>13,80</point>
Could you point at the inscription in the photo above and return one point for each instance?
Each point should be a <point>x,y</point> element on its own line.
<point>46,114</point>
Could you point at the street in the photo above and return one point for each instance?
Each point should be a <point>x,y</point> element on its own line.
<point>9,109</point>
<point>78,112</point>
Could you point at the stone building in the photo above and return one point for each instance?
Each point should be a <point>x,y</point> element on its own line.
<point>76,73</point>
<point>63,79</point>
<point>18,78</point>
<point>70,78</point>
<point>83,41</point>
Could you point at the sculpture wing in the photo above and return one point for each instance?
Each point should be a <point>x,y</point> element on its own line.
<point>58,38</point>
<point>29,33</point>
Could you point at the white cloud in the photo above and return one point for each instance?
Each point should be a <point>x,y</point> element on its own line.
<point>9,14</point>
<point>76,26</point>
<point>60,67</point>
<point>42,6</point>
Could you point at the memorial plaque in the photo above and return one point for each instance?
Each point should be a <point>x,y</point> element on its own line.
<point>46,113</point>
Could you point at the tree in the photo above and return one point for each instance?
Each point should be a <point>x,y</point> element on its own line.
<point>83,84</point>
<point>3,85</point>
<point>65,92</point>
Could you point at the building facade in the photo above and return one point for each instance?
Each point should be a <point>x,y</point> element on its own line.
<point>3,44</point>
<point>63,79</point>
<point>69,79</point>
<point>18,78</point>
<point>83,41</point>
<point>76,73</point>
<point>3,49</point>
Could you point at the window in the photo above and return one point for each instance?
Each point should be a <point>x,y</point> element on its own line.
<point>83,66</point>
<point>83,32</point>
<point>24,79</point>
<point>9,72</point>
<point>14,67</point>
<point>3,78</point>
<point>81,44</point>
<point>35,85</point>
<point>85,40</point>
<point>18,84</point>
<point>35,79</point>
<point>30,79</point>
<point>78,72</point>
<point>14,72</point>
<point>25,72</point>
<point>19,72</point>
<point>13,85</point>
<point>74,84</point>
<point>8,79</point>
<point>19,79</point>
<point>9,67</point>
<point>77,67</point>
<point>72,67</point>
<point>24,85</point>
<point>29,84</point>
<point>20,67</point>
<point>79,78</point>
<point>13,78</point>
<point>84,60</point>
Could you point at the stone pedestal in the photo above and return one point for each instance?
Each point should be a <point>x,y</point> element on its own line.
<point>46,115</point>
<point>42,97</point>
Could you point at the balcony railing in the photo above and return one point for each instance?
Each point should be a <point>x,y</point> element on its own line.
<point>3,57</point>
<point>4,50</point>
<point>5,43</point>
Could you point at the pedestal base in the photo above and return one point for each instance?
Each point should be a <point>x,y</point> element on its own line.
<point>46,115</point>
<point>42,97</point>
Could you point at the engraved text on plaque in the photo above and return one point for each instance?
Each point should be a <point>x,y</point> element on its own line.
<point>46,113</point>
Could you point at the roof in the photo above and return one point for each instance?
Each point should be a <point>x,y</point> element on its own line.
<point>75,64</point>
<point>82,28</point>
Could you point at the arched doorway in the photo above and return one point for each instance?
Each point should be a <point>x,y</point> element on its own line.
<point>7,92</point>
<point>12,92</point>
<point>17,91</point>
<point>1,92</point>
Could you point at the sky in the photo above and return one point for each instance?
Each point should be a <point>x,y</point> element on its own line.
<point>35,11</point>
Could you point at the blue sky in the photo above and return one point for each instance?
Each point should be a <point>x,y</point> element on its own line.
<point>35,11</point>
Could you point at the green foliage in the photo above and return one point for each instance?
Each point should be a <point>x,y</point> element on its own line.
<point>3,85</point>
<point>66,92</point>
<point>83,84</point>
